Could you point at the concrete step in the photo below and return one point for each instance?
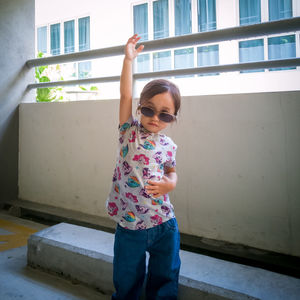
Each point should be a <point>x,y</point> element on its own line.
<point>86,255</point>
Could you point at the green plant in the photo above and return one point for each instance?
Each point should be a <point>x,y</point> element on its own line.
<point>42,75</point>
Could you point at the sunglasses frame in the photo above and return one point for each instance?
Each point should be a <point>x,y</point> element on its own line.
<point>158,114</point>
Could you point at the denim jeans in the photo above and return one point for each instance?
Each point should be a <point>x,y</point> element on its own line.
<point>163,243</point>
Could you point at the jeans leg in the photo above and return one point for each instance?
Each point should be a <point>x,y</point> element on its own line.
<point>129,264</point>
<point>164,263</point>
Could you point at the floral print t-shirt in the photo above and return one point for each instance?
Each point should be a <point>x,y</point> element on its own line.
<point>142,156</point>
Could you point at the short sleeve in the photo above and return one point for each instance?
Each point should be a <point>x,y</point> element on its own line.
<point>126,126</point>
<point>171,156</point>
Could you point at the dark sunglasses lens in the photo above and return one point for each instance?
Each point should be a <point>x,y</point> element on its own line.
<point>166,117</point>
<point>148,112</point>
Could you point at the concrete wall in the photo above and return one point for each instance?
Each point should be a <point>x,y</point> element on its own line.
<point>16,47</point>
<point>238,164</point>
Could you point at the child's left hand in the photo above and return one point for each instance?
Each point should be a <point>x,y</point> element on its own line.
<point>159,188</point>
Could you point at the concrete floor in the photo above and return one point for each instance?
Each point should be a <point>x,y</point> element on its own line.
<point>17,281</point>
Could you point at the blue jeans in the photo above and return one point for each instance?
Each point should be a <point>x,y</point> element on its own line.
<point>163,243</point>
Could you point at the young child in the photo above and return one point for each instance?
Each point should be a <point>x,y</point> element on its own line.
<point>139,201</point>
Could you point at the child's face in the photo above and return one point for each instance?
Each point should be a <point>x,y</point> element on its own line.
<point>159,103</point>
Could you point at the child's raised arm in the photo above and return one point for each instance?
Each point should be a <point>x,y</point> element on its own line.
<point>126,79</point>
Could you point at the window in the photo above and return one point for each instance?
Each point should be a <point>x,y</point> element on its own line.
<point>184,58</point>
<point>84,33</point>
<point>140,20</point>
<point>251,51</point>
<point>183,20</point>
<point>208,56</point>
<point>250,12</point>
<point>55,39</point>
<point>69,36</point>
<point>206,15</point>
<point>42,39</point>
<point>162,61</point>
<point>280,9</point>
<point>281,47</point>
<point>84,68</point>
<point>143,63</point>
<point>160,19</point>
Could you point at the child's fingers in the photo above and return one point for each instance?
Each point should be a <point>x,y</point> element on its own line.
<point>140,48</point>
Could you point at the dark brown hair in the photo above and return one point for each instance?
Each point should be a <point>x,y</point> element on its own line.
<point>159,86</point>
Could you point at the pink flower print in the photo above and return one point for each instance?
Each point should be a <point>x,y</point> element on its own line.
<point>132,197</point>
<point>132,137</point>
<point>170,154</point>
<point>142,159</point>
<point>112,208</point>
<point>156,220</point>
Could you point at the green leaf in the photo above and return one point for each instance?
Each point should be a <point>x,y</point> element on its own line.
<point>83,88</point>
<point>94,88</point>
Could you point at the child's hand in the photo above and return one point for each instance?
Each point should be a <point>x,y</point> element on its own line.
<point>159,188</point>
<point>130,52</point>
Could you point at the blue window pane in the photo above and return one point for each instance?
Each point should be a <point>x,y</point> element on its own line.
<point>251,51</point>
<point>183,19</point>
<point>84,69</point>
<point>140,16</point>
<point>184,58</point>
<point>160,19</point>
<point>208,56</point>
<point>206,15</point>
<point>281,47</point>
<point>55,39</point>
<point>42,39</point>
<point>162,61</point>
<point>250,12</point>
<point>69,36</point>
<point>143,63</point>
<point>84,33</point>
<point>280,9</point>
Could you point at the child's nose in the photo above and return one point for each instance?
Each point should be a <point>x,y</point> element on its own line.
<point>155,117</point>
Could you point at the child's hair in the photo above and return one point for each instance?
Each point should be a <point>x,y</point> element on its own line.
<point>159,86</point>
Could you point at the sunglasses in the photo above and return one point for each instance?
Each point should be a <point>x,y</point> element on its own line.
<point>149,112</point>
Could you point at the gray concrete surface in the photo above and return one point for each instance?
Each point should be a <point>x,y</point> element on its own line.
<point>86,255</point>
<point>18,281</point>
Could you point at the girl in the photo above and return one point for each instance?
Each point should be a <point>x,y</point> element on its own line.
<point>139,202</point>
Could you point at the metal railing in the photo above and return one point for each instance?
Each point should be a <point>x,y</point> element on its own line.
<point>234,33</point>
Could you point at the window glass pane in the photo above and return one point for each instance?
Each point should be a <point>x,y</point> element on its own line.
<point>280,9</point>
<point>42,39</point>
<point>281,47</point>
<point>140,16</point>
<point>143,63</point>
<point>183,20</point>
<point>251,51</point>
<point>160,19</point>
<point>55,39</point>
<point>84,69</point>
<point>208,56</point>
<point>184,58</point>
<point>250,12</point>
<point>162,61</point>
<point>84,33</point>
<point>69,36</point>
<point>206,15</point>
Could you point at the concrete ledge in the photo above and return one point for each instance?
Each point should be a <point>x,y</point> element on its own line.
<point>86,255</point>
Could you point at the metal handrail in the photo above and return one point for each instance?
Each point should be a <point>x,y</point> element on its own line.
<point>233,33</point>
<point>290,62</point>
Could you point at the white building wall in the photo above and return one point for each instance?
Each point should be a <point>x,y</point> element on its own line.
<point>112,24</point>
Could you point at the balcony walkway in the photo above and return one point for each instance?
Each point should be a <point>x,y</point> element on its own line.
<point>201,276</point>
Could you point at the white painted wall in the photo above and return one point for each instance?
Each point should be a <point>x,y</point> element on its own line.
<point>238,164</point>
